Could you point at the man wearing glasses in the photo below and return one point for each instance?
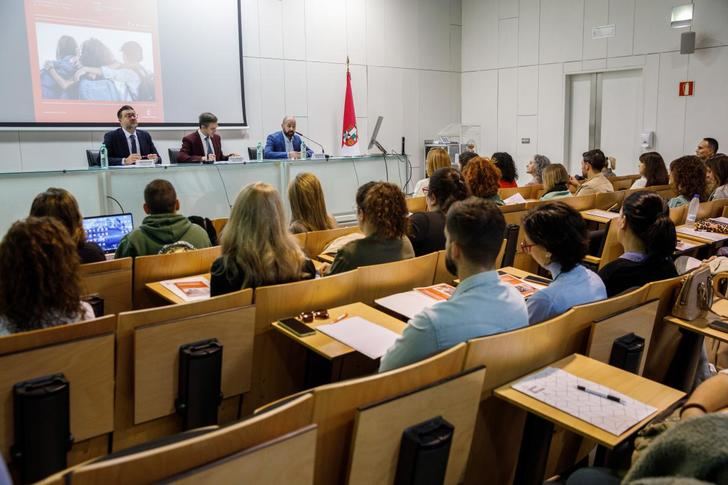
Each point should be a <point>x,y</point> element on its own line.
<point>127,145</point>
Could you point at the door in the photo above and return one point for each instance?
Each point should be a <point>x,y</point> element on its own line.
<point>604,110</point>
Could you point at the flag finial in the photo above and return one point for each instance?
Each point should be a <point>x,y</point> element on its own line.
<point>347,63</point>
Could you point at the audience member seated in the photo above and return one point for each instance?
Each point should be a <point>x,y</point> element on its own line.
<point>648,237</point>
<point>40,286</point>
<point>535,169</point>
<point>556,237</point>
<point>717,176</point>
<point>481,305</point>
<point>592,164</point>
<point>436,158</point>
<point>507,167</point>
<point>308,207</point>
<point>163,229</point>
<point>482,176</point>
<point>707,147</point>
<point>62,205</point>
<point>652,171</point>
<point>555,182</point>
<point>687,175</point>
<point>610,167</point>
<point>257,248</point>
<point>382,214</point>
<point>427,229</point>
<point>464,158</point>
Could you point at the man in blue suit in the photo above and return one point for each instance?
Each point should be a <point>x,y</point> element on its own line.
<point>285,143</point>
<point>127,145</point>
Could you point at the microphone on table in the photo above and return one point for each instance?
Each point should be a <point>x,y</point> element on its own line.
<point>312,140</point>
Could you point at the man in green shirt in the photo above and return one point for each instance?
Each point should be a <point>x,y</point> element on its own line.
<point>163,226</point>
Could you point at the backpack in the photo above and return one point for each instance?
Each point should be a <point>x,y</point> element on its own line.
<point>206,224</point>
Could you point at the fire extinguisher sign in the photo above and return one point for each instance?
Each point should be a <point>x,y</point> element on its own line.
<point>686,88</point>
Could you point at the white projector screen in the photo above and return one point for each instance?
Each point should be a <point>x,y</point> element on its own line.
<point>75,62</point>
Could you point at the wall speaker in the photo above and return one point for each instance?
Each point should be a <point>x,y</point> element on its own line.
<point>687,43</point>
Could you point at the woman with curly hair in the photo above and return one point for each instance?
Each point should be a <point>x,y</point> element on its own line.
<point>62,205</point>
<point>382,214</point>
<point>308,207</point>
<point>427,229</point>
<point>482,177</point>
<point>717,176</point>
<point>509,173</point>
<point>652,171</point>
<point>436,158</point>
<point>257,248</point>
<point>536,167</point>
<point>40,286</point>
<point>687,174</point>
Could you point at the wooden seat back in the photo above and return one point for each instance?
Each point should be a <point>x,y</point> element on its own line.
<point>580,202</point>
<point>110,280</point>
<point>378,427</point>
<point>379,280</point>
<point>147,361</point>
<point>158,267</point>
<point>84,353</point>
<point>416,204</point>
<point>335,406</point>
<point>156,462</point>
<point>608,200</point>
<point>219,225</point>
<point>316,241</point>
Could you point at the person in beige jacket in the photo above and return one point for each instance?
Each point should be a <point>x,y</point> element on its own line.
<point>591,166</point>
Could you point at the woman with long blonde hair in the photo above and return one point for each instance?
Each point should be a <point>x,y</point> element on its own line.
<point>308,207</point>
<point>436,158</point>
<point>257,248</point>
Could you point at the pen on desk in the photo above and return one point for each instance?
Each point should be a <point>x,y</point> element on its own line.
<point>600,394</point>
<point>341,317</point>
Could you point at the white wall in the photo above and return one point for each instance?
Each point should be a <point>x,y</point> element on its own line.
<point>405,65</point>
<point>516,54</point>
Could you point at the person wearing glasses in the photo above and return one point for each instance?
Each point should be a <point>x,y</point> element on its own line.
<point>556,237</point>
<point>127,145</point>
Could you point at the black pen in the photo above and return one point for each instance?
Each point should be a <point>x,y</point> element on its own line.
<point>600,394</point>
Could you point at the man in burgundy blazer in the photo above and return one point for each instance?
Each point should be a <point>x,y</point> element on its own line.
<point>204,145</point>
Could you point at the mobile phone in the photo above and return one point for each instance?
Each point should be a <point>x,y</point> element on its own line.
<point>719,325</point>
<point>537,279</point>
<point>297,327</point>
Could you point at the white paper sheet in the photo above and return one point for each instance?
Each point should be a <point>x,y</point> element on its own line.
<point>709,236</point>
<point>516,198</point>
<point>194,288</point>
<point>407,304</point>
<point>558,388</point>
<point>361,335</point>
<point>603,213</point>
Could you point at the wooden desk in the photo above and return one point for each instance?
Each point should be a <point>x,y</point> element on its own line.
<point>700,325</point>
<point>542,417</point>
<point>158,288</point>
<point>518,273</point>
<point>331,349</point>
<point>686,231</point>
<point>326,258</point>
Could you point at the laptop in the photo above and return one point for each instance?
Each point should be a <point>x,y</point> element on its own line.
<point>107,231</point>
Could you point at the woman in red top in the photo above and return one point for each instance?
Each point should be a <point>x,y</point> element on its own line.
<point>507,166</point>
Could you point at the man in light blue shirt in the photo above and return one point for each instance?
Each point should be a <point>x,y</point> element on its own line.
<point>481,305</point>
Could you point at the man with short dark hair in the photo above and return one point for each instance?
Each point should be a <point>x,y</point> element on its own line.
<point>204,145</point>
<point>481,305</point>
<point>127,145</point>
<point>593,162</point>
<point>707,148</point>
<point>163,228</point>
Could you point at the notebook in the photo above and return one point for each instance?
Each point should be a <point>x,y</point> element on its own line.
<point>107,231</point>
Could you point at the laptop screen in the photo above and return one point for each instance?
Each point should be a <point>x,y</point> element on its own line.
<point>107,231</point>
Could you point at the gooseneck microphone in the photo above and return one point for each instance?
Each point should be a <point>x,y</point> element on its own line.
<point>311,140</point>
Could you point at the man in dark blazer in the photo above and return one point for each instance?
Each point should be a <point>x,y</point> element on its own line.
<point>127,145</point>
<point>204,145</point>
<point>285,143</point>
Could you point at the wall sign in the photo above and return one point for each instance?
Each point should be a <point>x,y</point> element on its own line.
<point>686,88</point>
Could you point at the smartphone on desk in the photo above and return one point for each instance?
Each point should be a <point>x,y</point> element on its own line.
<point>297,327</point>
<point>719,325</point>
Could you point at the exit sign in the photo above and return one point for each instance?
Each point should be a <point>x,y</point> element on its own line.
<point>686,88</point>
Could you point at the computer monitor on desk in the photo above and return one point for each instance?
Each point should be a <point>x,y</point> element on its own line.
<point>107,231</point>
<point>373,141</point>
